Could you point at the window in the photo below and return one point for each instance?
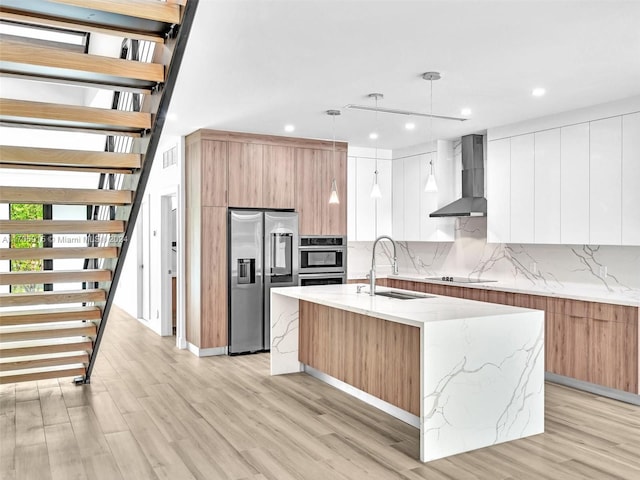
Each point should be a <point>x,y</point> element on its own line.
<point>26,211</point>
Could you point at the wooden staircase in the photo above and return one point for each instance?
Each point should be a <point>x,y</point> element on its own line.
<point>55,331</point>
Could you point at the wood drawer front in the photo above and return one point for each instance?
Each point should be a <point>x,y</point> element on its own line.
<point>379,357</point>
<point>574,308</point>
<point>619,313</point>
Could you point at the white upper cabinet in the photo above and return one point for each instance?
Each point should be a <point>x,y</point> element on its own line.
<point>522,188</point>
<point>571,178</point>
<point>368,218</point>
<point>397,177</point>
<point>351,198</point>
<point>547,187</point>
<point>499,191</point>
<point>412,198</point>
<point>605,200</point>
<point>574,184</point>
<point>631,179</point>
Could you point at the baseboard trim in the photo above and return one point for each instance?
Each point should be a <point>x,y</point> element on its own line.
<point>386,407</point>
<point>620,395</point>
<point>206,352</point>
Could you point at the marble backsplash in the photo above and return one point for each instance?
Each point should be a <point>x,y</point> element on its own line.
<point>587,269</point>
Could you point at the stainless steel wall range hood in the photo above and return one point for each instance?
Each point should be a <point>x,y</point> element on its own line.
<point>472,203</point>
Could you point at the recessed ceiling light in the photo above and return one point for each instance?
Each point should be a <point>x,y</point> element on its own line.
<point>465,112</point>
<point>538,92</point>
<point>289,128</point>
<point>172,117</point>
<point>373,135</point>
<point>409,125</point>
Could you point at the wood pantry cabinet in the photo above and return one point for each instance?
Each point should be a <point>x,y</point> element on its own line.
<point>230,169</point>
<point>589,341</point>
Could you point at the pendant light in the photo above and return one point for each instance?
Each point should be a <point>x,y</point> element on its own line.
<point>431,186</point>
<point>375,188</point>
<point>333,198</point>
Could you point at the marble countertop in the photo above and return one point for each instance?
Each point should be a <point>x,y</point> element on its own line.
<point>572,291</point>
<point>416,312</point>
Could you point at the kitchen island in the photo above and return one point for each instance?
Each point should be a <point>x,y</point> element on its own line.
<point>468,374</point>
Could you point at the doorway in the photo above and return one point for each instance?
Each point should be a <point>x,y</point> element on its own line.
<point>169,263</point>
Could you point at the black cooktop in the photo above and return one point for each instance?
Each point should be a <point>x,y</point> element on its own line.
<point>460,279</point>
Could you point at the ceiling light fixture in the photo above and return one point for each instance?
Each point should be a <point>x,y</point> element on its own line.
<point>409,113</point>
<point>373,136</point>
<point>538,92</point>
<point>431,186</point>
<point>465,112</point>
<point>289,128</point>
<point>333,198</point>
<point>410,125</point>
<point>375,189</point>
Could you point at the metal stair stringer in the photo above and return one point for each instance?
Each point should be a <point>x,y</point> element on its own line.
<point>147,144</point>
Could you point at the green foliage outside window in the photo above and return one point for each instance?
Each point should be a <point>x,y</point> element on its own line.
<point>25,211</point>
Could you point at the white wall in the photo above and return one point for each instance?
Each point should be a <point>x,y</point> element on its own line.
<point>162,181</point>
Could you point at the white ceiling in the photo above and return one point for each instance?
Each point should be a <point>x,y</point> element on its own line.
<point>256,65</point>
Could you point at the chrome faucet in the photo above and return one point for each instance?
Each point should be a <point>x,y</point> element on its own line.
<point>372,273</point>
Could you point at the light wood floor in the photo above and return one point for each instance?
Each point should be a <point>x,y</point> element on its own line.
<point>152,411</point>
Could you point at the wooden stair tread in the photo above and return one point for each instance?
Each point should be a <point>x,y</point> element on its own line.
<point>166,12</point>
<point>45,346</point>
<point>42,373</point>
<point>72,116</point>
<point>47,315</point>
<point>56,253</point>
<point>37,61</point>
<point>61,226</point>
<point>69,158</point>
<point>64,196</point>
<point>39,361</point>
<point>55,276</point>
<point>46,298</point>
<point>40,332</point>
<point>54,327</point>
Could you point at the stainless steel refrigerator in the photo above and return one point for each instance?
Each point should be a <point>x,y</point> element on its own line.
<point>263,253</point>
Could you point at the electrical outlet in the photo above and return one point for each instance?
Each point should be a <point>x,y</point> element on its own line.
<point>533,268</point>
<point>603,271</point>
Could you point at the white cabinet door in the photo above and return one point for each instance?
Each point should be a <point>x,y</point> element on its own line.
<point>384,204</point>
<point>547,187</point>
<point>351,198</point>
<point>574,184</point>
<point>631,179</point>
<point>605,206</point>
<point>522,192</point>
<point>366,206</point>
<point>397,176</point>
<point>412,195</point>
<point>499,190</point>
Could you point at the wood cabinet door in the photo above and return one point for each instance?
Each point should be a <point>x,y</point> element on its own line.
<point>213,278</point>
<point>334,166</point>
<point>245,174</point>
<point>613,347</point>
<point>310,197</point>
<point>278,174</point>
<point>214,173</point>
<point>567,345</point>
<point>315,171</point>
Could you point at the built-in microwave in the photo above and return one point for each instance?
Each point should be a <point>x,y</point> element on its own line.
<point>323,254</point>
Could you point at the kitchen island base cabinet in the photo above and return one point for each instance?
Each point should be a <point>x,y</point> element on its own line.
<point>378,357</point>
<point>478,377</point>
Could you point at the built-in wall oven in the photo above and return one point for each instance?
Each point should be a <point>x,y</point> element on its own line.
<point>322,260</point>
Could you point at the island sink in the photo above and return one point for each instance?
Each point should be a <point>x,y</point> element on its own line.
<point>402,295</point>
